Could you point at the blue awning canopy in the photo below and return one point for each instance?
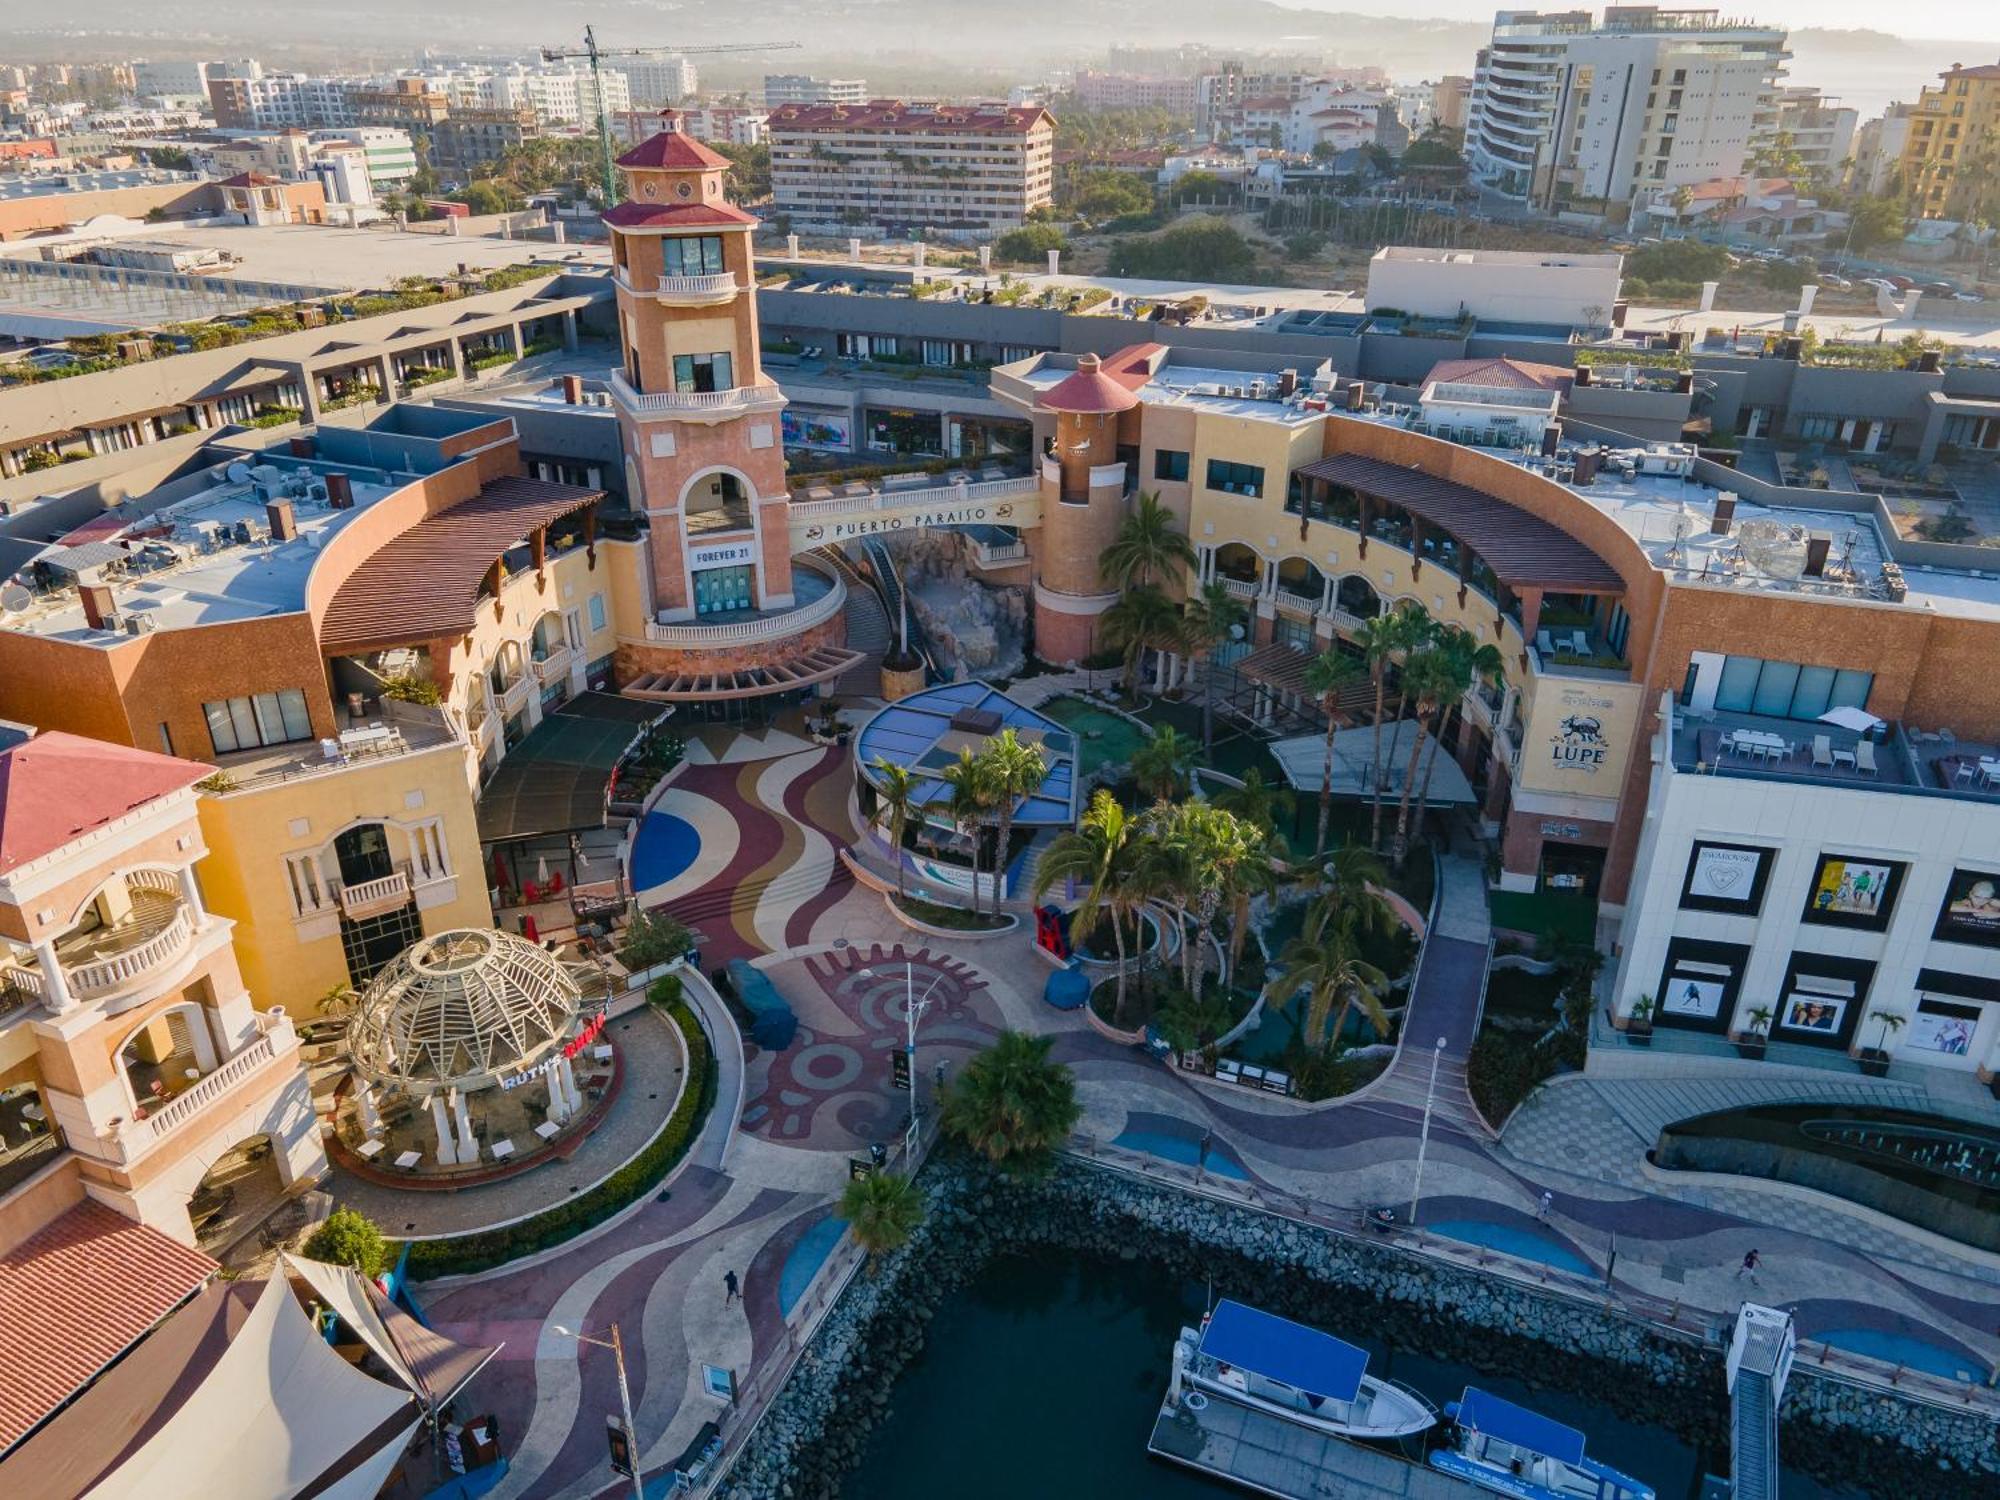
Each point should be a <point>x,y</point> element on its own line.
<point>1489,1416</point>
<point>1279,1349</point>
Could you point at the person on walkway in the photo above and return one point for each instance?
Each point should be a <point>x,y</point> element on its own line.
<point>731,1290</point>
<point>1749,1267</point>
<point>1548,1202</point>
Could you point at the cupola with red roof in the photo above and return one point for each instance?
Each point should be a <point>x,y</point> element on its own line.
<point>672,179</point>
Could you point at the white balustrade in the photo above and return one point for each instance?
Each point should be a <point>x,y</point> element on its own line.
<point>371,897</point>
<point>119,969</point>
<point>1017,487</point>
<point>763,628</point>
<point>514,697</point>
<point>695,289</point>
<point>554,666</point>
<point>1238,588</point>
<point>191,1101</point>
<point>742,398</point>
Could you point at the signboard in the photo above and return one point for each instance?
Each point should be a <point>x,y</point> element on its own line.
<point>929,513</point>
<point>899,1069</point>
<point>1726,878</point>
<point>1579,738</point>
<point>620,1442</point>
<point>1970,912</point>
<point>827,431</point>
<point>1944,1027</point>
<point>722,555</point>
<point>1699,984</point>
<point>1694,995</point>
<point>1852,892</point>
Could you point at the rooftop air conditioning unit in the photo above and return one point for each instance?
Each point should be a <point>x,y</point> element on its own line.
<point>138,624</point>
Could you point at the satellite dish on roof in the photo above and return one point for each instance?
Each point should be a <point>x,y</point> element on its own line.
<point>14,598</point>
<point>238,472</point>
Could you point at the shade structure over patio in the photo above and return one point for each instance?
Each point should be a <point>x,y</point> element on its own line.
<point>926,732</point>
<point>557,780</point>
<point>431,1365</point>
<point>1303,760</point>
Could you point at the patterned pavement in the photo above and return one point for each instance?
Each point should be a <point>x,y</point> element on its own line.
<point>765,883</point>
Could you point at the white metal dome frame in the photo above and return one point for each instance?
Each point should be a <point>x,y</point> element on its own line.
<point>460,1009</point>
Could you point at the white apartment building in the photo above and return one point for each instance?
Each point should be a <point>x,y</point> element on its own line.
<point>1878,149</point>
<point>657,82</point>
<point>957,169</point>
<point>277,101</point>
<point>1822,132</point>
<point>557,93</point>
<point>734,124</point>
<point>803,88</point>
<point>390,154</point>
<point>1569,109</point>
<point>1095,90</point>
<point>170,80</point>
<point>1322,112</point>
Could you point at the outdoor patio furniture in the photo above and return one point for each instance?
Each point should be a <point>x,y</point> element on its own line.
<point>1844,758</point>
<point>1966,771</point>
<point>1822,747</point>
<point>502,1149</point>
<point>1989,769</point>
<point>369,1150</point>
<point>408,1160</point>
<point>1545,643</point>
<point>1864,758</point>
<point>548,1130</point>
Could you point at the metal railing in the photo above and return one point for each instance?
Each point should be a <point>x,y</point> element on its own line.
<point>1017,487</point>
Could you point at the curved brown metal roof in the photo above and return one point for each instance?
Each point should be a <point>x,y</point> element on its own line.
<point>1522,549</point>
<point>424,584</point>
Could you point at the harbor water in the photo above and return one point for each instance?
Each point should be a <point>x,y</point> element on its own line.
<point>1044,1376</point>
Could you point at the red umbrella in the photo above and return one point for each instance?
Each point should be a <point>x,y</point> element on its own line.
<point>528,929</point>
<point>500,870</point>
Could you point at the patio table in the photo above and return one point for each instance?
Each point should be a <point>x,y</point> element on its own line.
<point>502,1149</point>
<point>369,1150</point>
<point>602,1054</point>
<point>1989,769</point>
<point>548,1130</point>
<point>408,1160</point>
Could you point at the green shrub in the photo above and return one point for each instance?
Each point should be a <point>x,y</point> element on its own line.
<point>639,1176</point>
<point>350,1238</point>
<point>1031,242</point>
<point>653,938</point>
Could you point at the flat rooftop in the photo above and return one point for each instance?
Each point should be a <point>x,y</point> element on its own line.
<point>1226,392</point>
<point>204,558</point>
<point>14,187</point>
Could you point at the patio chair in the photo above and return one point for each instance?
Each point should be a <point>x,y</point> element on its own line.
<point>1823,750</point>
<point>1966,771</point>
<point>1864,758</point>
<point>1545,643</point>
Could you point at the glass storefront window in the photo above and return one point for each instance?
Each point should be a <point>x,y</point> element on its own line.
<point>718,589</point>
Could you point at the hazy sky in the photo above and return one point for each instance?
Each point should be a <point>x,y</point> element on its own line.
<point>1973,19</point>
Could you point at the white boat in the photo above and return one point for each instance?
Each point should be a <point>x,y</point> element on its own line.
<point>1511,1450</point>
<point>1274,1365</point>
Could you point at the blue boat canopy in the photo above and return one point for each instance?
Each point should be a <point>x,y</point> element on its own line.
<point>1279,1349</point>
<point>1486,1414</point>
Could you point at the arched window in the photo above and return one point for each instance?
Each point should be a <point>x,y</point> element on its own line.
<point>1357,596</point>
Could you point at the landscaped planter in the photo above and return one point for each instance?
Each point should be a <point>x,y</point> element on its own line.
<point>1874,1062</point>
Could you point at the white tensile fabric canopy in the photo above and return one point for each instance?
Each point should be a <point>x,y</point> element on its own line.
<point>1303,760</point>
<point>280,1414</point>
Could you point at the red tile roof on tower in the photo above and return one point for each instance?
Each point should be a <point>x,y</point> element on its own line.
<point>917,119</point>
<point>676,215</point>
<point>672,148</point>
<point>252,179</point>
<point>58,787</point>
<point>1089,390</point>
<point>74,1296</point>
<point>1503,373</point>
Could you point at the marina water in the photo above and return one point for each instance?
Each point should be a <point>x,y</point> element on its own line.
<point>1044,1376</point>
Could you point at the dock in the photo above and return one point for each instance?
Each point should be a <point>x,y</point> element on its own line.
<point>1275,1457</point>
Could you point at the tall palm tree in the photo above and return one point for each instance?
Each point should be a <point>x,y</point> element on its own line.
<point>1259,802</point>
<point>1479,664</point>
<point>1013,770</point>
<point>1325,961</point>
<point>1210,849</point>
<point>1355,878</point>
<point>1166,873</point>
<point>1148,546</point>
<point>1013,1103</point>
<point>1382,642</point>
<point>1102,855</point>
<point>1161,766</point>
<point>1258,805</point>
<point>1326,674</point>
<point>970,796</point>
<point>883,1209</point>
<point>1142,617</point>
<point>1430,680</point>
<point>1206,622</point>
<point>895,805</point>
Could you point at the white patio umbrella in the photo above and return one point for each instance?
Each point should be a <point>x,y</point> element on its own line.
<point>1847,717</point>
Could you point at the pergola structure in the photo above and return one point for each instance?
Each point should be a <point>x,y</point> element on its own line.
<point>822,664</point>
<point>464,1011</point>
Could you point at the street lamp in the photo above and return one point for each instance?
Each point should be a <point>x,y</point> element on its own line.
<point>915,1009</point>
<point>617,1348</point>
<point>1424,1141</point>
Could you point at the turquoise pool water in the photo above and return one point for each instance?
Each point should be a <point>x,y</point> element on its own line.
<point>807,1256</point>
<point>1901,1349</point>
<point>1179,1148</point>
<point>1509,1240</point>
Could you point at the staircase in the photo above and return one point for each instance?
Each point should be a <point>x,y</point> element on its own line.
<point>1758,1364</point>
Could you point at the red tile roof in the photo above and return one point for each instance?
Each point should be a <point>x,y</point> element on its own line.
<point>672,148</point>
<point>74,1296</point>
<point>252,179</point>
<point>1089,390</point>
<point>1505,373</point>
<point>424,584</point>
<point>893,114</point>
<point>676,215</point>
<point>57,787</point>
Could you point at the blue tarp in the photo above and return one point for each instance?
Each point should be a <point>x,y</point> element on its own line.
<point>773,1024</point>
<point>1067,989</point>
<point>1486,1414</point>
<point>1279,1349</point>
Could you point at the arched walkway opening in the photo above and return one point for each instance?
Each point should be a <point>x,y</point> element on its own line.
<point>1357,596</point>
<point>167,1056</point>
<point>1235,560</point>
<point>1301,580</point>
<point>717,501</point>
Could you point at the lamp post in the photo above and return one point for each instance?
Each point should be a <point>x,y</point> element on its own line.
<point>617,1348</point>
<point>914,1011</point>
<point>1424,1140</point>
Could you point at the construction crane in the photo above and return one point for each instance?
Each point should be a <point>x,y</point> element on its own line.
<point>597,54</point>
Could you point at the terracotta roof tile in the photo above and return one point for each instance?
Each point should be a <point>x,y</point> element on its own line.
<point>74,1296</point>
<point>57,787</point>
<point>673,148</point>
<point>1504,372</point>
<point>676,215</point>
<point>893,114</point>
<point>1088,390</point>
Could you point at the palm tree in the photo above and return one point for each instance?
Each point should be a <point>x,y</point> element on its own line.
<point>1209,850</point>
<point>1326,675</point>
<point>1148,545</point>
<point>1206,623</point>
<point>1257,805</point>
<point>1161,765</point>
<point>1142,617</point>
<point>1384,639</point>
<point>1013,770</point>
<point>895,805</point>
<point>1102,855</point>
<point>1355,878</point>
<point>1186,1023</point>
<point>970,797</point>
<point>1430,680</point>
<point>1479,664</point>
<point>1259,802</point>
<point>1013,1103</point>
<point>1325,961</point>
<point>883,1209</point>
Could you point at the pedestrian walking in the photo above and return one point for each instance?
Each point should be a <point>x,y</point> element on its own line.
<point>1548,1202</point>
<point>1749,1267</point>
<point>731,1289</point>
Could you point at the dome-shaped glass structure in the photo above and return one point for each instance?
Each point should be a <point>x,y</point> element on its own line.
<point>459,1008</point>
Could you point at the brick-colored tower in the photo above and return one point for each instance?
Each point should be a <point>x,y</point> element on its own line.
<point>704,456</point>
<point>1083,504</point>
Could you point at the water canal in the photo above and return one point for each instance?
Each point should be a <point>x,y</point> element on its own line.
<point>1043,1376</point>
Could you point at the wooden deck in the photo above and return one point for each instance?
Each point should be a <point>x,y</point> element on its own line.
<point>1276,1457</point>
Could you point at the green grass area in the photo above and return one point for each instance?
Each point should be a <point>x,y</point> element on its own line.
<point>1236,749</point>
<point>956,918</point>
<point>1103,738</point>
<point>1545,914</point>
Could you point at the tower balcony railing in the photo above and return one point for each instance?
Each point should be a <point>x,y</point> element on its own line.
<point>683,291</point>
<point>737,401</point>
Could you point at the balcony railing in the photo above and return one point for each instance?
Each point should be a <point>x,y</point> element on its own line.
<point>514,696</point>
<point>371,898</point>
<point>763,628</point>
<point>553,666</point>
<point>192,1100</point>
<point>919,497</point>
<point>734,402</point>
<point>1238,588</point>
<point>120,969</point>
